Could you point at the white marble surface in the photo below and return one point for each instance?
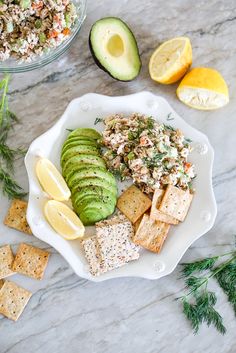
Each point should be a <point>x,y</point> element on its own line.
<point>67,313</point>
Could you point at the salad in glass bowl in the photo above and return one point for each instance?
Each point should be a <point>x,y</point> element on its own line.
<point>33,33</point>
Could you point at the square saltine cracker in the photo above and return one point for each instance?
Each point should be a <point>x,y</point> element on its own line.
<point>151,234</point>
<point>13,300</point>
<point>176,202</point>
<point>16,216</point>
<point>133,203</point>
<point>30,261</point>
<point>6,261</point>
<point>156,214</point>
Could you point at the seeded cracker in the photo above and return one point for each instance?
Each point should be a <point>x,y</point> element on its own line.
<point>176,202</point>
<point>13,300</point>
<point>92,256</point>
<point>113,220</point>
<point>115,245</point>
<point>16,216</point>
<point>1,283</point>
<point>156,214</point>
<point>133,203</point>
<point>30,261</point>
<point>151,234</point>
<point>6,260</point>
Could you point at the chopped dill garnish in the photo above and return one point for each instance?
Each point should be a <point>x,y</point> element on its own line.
<point>169,127</point>
<point>98,120</point>
<point>154,161</point>
<point>187,140</point>
<point>169,117</point>
<point>150,123</point>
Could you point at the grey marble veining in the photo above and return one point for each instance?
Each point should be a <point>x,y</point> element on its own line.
<point>67,313</point>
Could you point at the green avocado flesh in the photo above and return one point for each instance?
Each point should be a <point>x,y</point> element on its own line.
<point>81,159</point>
<point>91,172</point>
<point>106,207</point>
<point>94,182</point>
<point>93,187</point>
<point>75,141</point>
<point>85,132</point>
<point>76,150</point>
<point>114,48</point>
<point>90,216</point>
<point>99,210</point>
<point>103,194</point>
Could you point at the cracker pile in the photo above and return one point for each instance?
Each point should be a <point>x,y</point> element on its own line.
<point>29,261</point>
<point>168,207</point>
<point>142,222</point>
<point>111,247</point>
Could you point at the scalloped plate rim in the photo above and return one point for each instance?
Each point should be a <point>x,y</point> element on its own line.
<point>80,268</point>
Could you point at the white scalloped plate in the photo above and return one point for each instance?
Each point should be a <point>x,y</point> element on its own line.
<point>82,112</point>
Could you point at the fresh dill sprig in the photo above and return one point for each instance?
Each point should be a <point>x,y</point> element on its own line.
<point>203,311</point>
<point>199,303</point>
<point>198,266</point>
<point>8,155</point>
<point>9,186</point>
<point>227,281</point>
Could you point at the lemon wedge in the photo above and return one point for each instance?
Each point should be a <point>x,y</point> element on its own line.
<point>203,88</point>
<point>51,180</point>
<point>63,220</point>
<point>171,60</point>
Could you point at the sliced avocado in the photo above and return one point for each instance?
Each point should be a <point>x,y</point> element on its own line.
<point>75,141</point>
<point>85,132</point>
<point>95,190</point>
<point>114,48</point>
<point>89,201</point>
<point>81,159</point>
<point>90,172</point>
<point>102,194</point>
<point>95,182</point>
<point>94,212</point>
<point>90,216</point>
<point>81,138</point>
<point>76,168</point>
<point>80,149</point>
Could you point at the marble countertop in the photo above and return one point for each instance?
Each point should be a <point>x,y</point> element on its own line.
<point>67,313</point>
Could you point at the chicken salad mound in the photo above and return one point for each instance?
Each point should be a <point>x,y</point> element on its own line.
<point>153,154</point>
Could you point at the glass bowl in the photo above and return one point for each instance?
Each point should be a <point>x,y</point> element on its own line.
<point>16,66</point>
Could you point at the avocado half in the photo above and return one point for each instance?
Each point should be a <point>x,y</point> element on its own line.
<point>114,48</point>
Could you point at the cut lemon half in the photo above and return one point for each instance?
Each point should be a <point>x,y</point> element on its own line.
<point>51,180</point>
<point>63,220</point>
<point>171,60</point>
<point>203,88</point>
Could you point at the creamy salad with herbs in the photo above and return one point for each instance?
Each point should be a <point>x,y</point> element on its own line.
<point>29,28</point>
<point>152,154</point>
